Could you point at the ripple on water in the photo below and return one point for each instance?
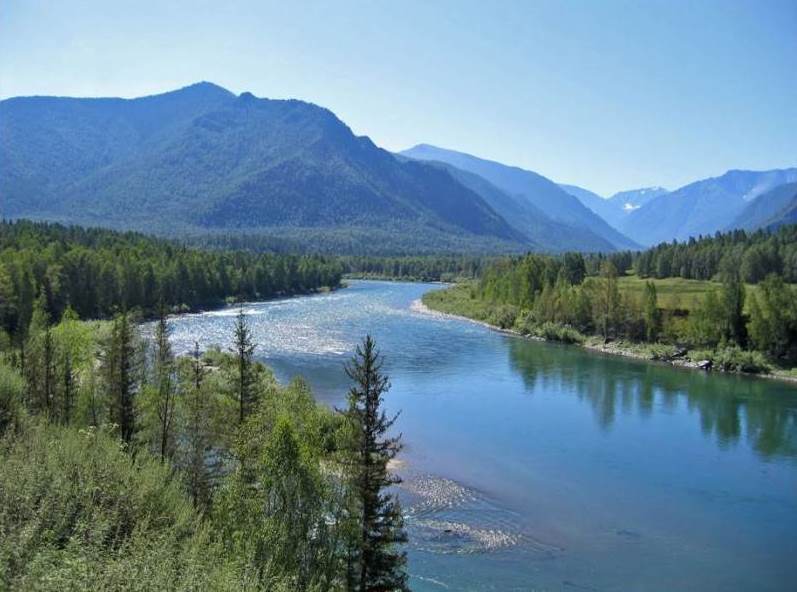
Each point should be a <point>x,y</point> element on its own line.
<point>443,516</point>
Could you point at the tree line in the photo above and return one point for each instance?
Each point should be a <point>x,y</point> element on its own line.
<point>197,472</point>
<point>425,268</point>
<point>757,255</point>
<point>561,297</point>
<point>97,272</point>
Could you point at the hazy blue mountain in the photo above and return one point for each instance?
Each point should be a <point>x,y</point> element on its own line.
<point>701,208</point>
<point>787,215</point>
<point>542,193</point>
<point>614,209</point>
<point>201,158</point>
<point>47,144</point>
<point>633,199</point>
<point>597,203</point>
<point>774,208</point>
<point>585,195</point>
<point>527,218</point>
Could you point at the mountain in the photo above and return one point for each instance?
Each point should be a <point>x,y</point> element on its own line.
<point>701,208</point>
<point>634,199</point>
<point>774,208</point>
<point>201,159</point>
<point>529,188</point>
<point>526,218</point>
<point>787,215</point>
<point>614,209</point>
<point>597,203</point>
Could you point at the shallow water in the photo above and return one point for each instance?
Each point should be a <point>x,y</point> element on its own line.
<point>533,466</point>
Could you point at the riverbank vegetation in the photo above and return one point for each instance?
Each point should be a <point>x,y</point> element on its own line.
<point>124,466</point>
<point>719,321</point>
<point>757,255</point>
<point>429,268</point>
<point>96,273</point>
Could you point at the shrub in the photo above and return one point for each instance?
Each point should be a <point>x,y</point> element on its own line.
<point>12,389</point>
<point>77,512</point>
<point>503,316</point>
<point>525,323</point>
<point>557,332</point>
<point>732,359</point>
<point>660,351</point>
<point>735,359</point>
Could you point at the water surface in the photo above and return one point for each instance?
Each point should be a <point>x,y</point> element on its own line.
<point>534,466</point>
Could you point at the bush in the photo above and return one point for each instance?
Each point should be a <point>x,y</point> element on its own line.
<point>78,513</point>
<point>503,316</point>
<point>12,389</point>
<point>660,351</point>
<point>733,359</point>
<point>557,332</point>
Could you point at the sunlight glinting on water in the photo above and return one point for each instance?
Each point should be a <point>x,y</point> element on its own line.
<point>538,466</point>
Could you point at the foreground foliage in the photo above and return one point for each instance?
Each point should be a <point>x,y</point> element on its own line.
<point>123,467</point>
<point>77,512</point>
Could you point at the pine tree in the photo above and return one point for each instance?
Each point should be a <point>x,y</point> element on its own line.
<point>68,389</point>
<point>376,562</point>
<point>732,297</point>
<point>608,299</point>
<point>91,394</point>
<point>39,359</point>
<point>244,350</point>
<point>197,419</point>
<point>120,375</point>
<point>164,384</point>
<point>652,314</point>
<point>47,370</point>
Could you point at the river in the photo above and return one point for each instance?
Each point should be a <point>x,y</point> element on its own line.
<point>536,466</point>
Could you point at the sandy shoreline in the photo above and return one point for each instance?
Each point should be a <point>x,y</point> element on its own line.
<point>419,306</point>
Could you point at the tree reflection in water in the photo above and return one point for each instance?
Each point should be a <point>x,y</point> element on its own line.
<point>730,408</point>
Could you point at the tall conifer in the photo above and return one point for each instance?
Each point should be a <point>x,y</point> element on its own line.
<point>120,364</point>
<point>244,351</point>
<point>165,383</point>
<point>377,562</point>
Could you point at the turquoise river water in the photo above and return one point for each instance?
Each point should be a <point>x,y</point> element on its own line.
<point>535,466</point>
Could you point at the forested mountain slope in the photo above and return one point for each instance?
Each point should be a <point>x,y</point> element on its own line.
<point>529,188</point>
<point>201,158</point>
<point>774,208</point>
<point>528,218</point>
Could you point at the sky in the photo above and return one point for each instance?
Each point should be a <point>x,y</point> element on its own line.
<point>605,94</point>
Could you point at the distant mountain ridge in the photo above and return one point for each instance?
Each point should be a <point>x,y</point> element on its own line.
<point>527,218</point>
<point>774,208</point>
<point>738,199</point>
<point>614,209</point>
<point>633,199</point>
<point>203,158</point>
<point>702,207</point>
<point>530,190</point>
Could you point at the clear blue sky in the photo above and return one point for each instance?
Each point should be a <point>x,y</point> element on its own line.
<point>606,94</point>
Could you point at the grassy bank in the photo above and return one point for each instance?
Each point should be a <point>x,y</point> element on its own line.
<point>461,300</point>
<point>675,293</point>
